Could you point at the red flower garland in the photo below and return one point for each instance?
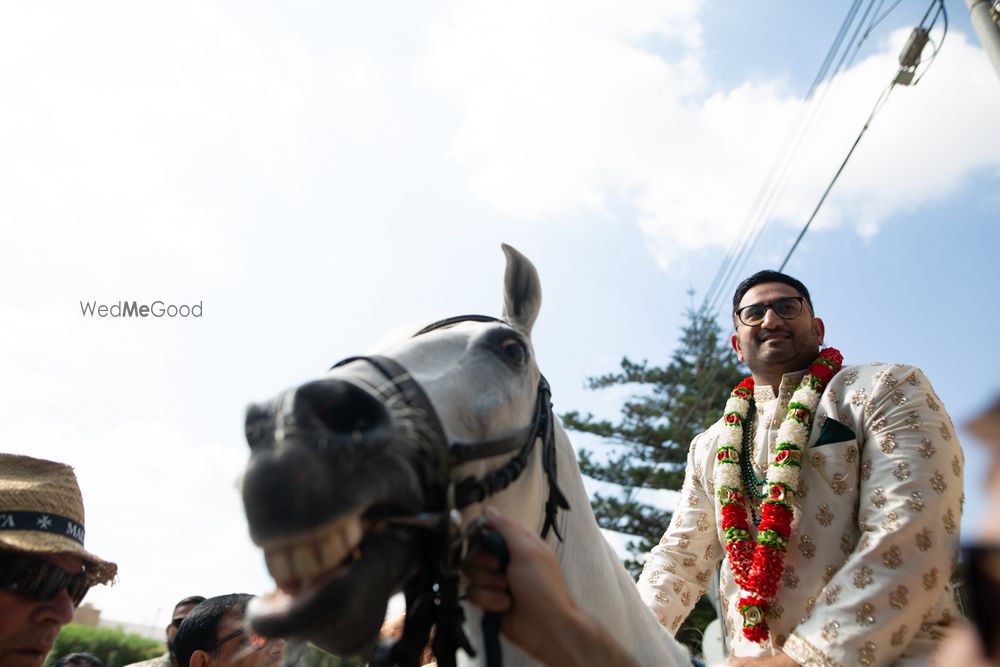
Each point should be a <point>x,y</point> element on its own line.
<point>757,567</point>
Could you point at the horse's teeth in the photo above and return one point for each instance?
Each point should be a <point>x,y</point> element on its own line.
<point>277,565</point>
<point>353,532</point>
<point>333,550</point>
<point>322,550</point>
<point>305,561</point>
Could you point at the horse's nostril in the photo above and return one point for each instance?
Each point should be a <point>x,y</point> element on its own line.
<point>339,407</point>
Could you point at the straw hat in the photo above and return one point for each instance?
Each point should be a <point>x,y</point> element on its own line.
<point>41,511</point>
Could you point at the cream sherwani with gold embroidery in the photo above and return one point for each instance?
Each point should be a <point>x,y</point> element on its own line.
<point>874,536</point>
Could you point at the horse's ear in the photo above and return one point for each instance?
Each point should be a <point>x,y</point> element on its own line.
<point>522,291</point>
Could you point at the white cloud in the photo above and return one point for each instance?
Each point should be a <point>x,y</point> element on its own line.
<point>563,112</point>
<point>117,124</point>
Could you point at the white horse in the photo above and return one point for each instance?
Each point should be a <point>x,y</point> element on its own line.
<point>350,477</point>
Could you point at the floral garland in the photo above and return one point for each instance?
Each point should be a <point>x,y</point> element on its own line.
<point>758,567</point>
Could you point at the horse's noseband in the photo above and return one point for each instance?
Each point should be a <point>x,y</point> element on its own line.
<point>445,497</point>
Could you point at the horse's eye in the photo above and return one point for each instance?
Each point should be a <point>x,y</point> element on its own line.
<point>514,351</point>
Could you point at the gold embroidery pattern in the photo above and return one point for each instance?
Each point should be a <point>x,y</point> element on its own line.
<point>933,405</point>
<point>867,468</point>
<point>710,552</point>
<point>863,577</point>
<point>865,615</point>
<point>852,454</point>
<point>891,521</point>
<point>893,558</point>
<point>824,516</point>
<point>817,460</point>
<point>899,598</point>
<point>938,483</point>
<point>901,471</point>
<point>956,465</point>
<point>838,484</point>
<point>858,397</point>
<point>689,562</point>
<point>945,433</point>
<point>913,380</point>
<point>887,443</point>
<point>851,377</point>
<point>926,448</point>
<point>807,547</point>
<point>916,501</point>
<point>846,544</point>
<point>878,422</point>
<point>678,586</point>
<point>866,654</point>
<point>886,378</point>
<point>913,421</point>
<point>686,598</point>
<point>831,571</point>
<point>898,637</point>
<point>662,598</point>
<point>878,498</point>
<point>789,578</point>
<point>833,594</point>
<point>684,542</point>
<point>830,632</point>
<point>949,522</point>
<point>899,397</point>
<point>931,579</point>
<point>692,499</point>
<point>703,577</point>
<point>702,523</point>
<point>924,539</point>
<point>776,610</point>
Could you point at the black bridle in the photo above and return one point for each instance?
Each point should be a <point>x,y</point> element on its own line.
<point>432,600</point>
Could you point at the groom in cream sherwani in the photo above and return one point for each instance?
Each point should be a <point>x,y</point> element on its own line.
<point>870,479</point>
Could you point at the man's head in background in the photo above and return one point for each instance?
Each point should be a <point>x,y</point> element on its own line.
<point>181,610</point>
<point>215,633</point>
<point>44,569</point>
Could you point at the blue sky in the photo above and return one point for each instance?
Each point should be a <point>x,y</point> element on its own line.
<point>323,177</point>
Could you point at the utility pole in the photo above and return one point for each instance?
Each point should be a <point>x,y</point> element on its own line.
<point>983,13</point>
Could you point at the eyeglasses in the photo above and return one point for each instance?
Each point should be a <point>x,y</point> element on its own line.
<point>37,579</point>
<point>255,641</point>
<point>982,589</point>
<point>787,308</point>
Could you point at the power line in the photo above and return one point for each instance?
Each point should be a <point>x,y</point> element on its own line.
<point>747,242</point>
<point>908,61</point>
<point>878,105</point>
<point>775,177</point>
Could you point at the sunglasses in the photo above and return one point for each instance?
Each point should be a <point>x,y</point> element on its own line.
<point>982,590</point>
<point>255,641</point>
<point>37,579</point>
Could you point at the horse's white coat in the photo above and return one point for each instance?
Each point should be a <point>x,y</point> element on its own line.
<point>477,396</point>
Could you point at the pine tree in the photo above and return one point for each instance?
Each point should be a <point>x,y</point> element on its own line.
<point>672,404</point>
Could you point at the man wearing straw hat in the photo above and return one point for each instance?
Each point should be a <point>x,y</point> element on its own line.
<point>44,569</point>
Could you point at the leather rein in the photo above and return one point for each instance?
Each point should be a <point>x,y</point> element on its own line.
<point>432,600</point>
